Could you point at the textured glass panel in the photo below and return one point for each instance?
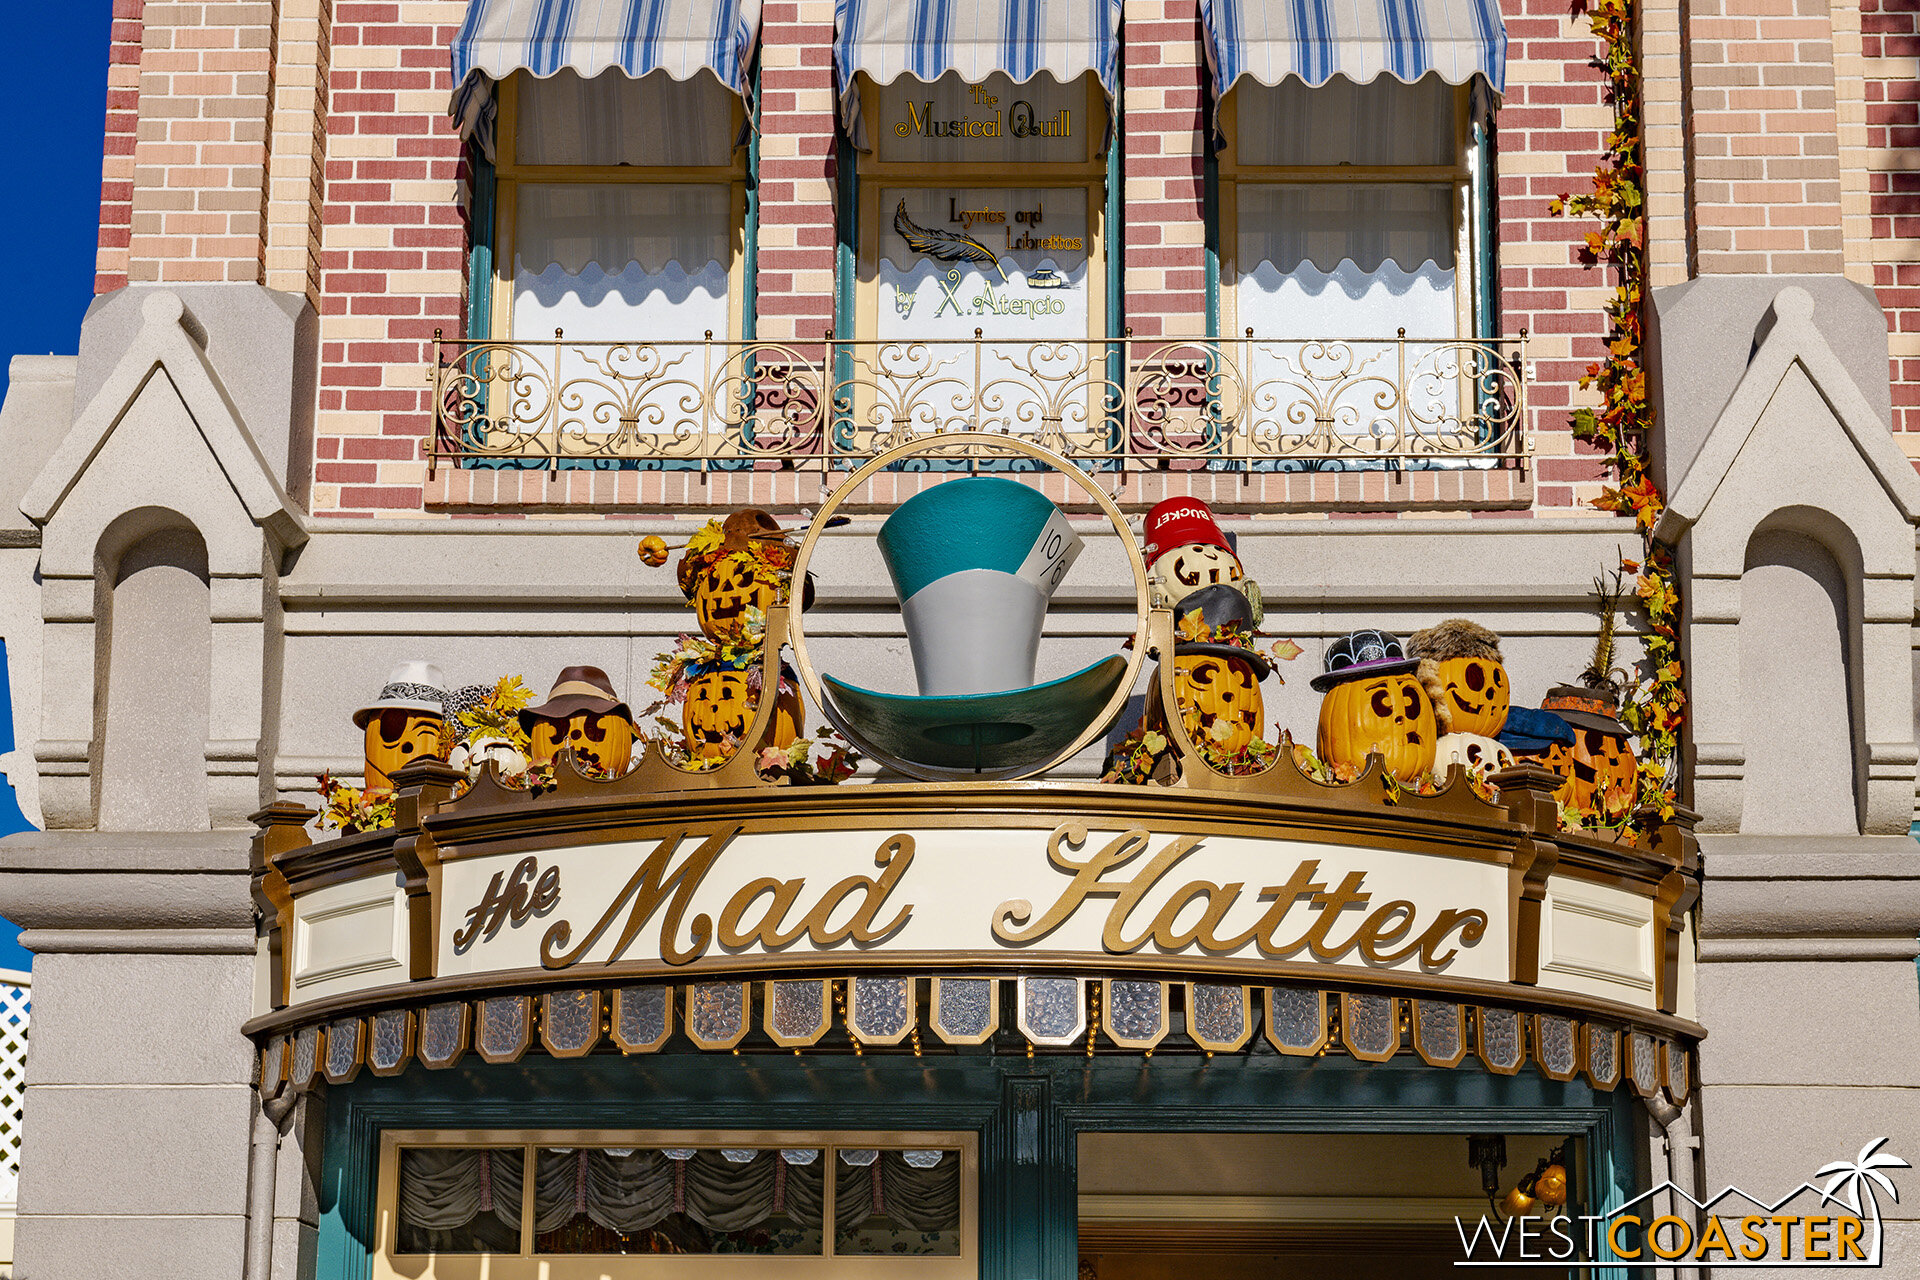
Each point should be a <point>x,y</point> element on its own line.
<point>1679,1078</point>
<point>923,1159</point>
<point>571,1019</point>
<point>716,1012</point>
<point>898,1207</point>
<point>388,1048</point>
<point>1053,1010</point>
<point>1437,1023</point>
<point>306,1053</point>
<point>1297,1017</point>
<point>799,1156</point>
<point>1555,1045</point>
<point>503,1027</point>
<point>966,1007</point>
<point>442,1032</point>
<point>881,1008</point>
<point>1642,1063</point>
<point>799,1009</point>
<point>343,1048</point>
<point>859,1157</point>
<point>1216,1015</point>
<point>739,1155</point>
<point>273,1065</point>
<point>1369,1023</point>
<point>641,1015</point>
<point>1603,1055</point>
<point>1136,1010</point>
<point>1500,1038</point>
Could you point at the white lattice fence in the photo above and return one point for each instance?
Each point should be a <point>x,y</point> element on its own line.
<point>16,1002</point>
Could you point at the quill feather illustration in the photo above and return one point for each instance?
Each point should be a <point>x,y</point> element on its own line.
<point>946,246</point>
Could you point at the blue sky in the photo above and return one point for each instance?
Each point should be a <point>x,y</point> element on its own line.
<point>54,63</point>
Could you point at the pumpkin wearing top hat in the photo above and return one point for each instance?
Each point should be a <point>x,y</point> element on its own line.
<point>1598,765</point>
<point>1375,703</point>
<point>1216,671</point>
<point>404,723</point>
<point>584,713</point>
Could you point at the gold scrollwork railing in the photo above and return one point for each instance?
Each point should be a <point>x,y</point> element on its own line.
<point>1127,403</point>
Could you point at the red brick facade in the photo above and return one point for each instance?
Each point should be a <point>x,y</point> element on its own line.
<point>1890,38</point>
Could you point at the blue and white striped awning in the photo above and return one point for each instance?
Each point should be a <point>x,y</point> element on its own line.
<point>635,37</point>
<point>926,39</point>
<point>1359,40</point>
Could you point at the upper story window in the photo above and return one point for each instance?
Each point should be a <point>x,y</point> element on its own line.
<point>621,205</point>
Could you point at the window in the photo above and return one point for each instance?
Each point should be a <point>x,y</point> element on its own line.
<point>560,1205</point>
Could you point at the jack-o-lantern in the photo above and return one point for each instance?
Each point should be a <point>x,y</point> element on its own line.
<point>1216,682</point>
<point>582,713</point>
<point>1599,767</point>
<point>728,588</point>
<point>733,566</point>
<point>403,723</point>
<point>1375,704</point>
<point>1481,755</point>
<point>719,709</point>
<point>1466,678</point>
<point>1186,552</point>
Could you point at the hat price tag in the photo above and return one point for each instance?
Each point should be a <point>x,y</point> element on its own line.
<point>1054,550</point>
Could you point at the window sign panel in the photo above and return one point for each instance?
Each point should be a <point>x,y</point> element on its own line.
<point>1384,123</point>
<point>992,121</point>
<point>1009,261</point>
<point>614,119</point>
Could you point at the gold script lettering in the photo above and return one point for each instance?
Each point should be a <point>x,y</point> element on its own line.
<point>894,857</point>
<point>648,888</point>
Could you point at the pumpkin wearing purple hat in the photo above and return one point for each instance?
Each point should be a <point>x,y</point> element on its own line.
<point>1374,703</point>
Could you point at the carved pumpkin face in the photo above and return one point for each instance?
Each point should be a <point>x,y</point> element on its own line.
<point>1599,767</point>
<point>1477,694</point>
<point>720,706</point>
<point>1185,569</point>
<point>602,741</point>
<point>397,738</point>
<point>1226,696</point>
<point>1391,715</point>
<point>727,589</point>
<point>1479,754</point>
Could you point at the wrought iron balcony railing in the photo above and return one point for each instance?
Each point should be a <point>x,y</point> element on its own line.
<point>1134,404</point>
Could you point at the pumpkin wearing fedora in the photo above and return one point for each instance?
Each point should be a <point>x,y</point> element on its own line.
<point>1374,704</point>
<point>1461,667</point>
<point>582,712</point>
<point>404,723</point>
<point>1601,773</point>
<point>1186,552</point>
<point>734,571</point>
<point>1216,672</point>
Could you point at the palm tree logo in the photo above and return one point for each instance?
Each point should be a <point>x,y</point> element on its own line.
<point>1853,1181</point>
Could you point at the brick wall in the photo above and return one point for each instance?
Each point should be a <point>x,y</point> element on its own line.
<point>1891,46</point>
<point>392,256</point>
<point>116,169</point>
<point>297,147</point>
<point>1164,284</point>
<point>795,253</point>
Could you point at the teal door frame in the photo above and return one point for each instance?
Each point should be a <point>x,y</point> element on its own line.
<point>1029,1113</point>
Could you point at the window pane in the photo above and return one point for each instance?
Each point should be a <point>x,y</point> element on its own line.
<point>952,120</point>
<point>897,1203</point>
<point>622,262</point>
<point>1384,122</point>
<point>460,1199</point>
<point>1346,261</point>
<point>1009,261</point>
<point>757,1201</point>
<point>614,119</point>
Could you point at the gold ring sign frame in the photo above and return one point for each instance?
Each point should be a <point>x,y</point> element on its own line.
<point>946,446</point>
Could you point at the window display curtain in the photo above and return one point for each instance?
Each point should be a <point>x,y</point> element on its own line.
<point>915,1197</point>
<point>444,1188</point>
<point>1317,40</point>
<point>926,39</point>
<point>633,37</point>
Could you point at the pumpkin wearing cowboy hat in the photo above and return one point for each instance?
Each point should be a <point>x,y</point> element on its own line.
<point>735,570</point>
<point>403,723</point>
<point>1374,703</point>
<point>582,712</point>
<point>1216,671</point>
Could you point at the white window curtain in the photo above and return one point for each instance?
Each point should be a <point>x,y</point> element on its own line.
<point>614,119</point>
<point>1383,122</point>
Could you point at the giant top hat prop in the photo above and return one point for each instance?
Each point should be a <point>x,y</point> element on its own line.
<point>975,563</point>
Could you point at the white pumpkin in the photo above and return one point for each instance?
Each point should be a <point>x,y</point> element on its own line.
<point>1480,755</point>
<point>471,756</point>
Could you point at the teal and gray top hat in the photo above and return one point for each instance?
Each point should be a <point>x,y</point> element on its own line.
<point>975,563</point>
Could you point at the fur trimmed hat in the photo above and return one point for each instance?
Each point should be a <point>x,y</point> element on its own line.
<point>1454,638</point>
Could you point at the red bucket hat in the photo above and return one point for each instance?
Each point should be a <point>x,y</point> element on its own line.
<point>1175,522</point>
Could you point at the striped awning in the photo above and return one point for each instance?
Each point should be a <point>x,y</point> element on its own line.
<point>635,37</point>
<point>1359,40</point>
<point>926,39</point>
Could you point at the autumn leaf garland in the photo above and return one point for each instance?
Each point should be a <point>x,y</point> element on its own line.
<point>1654,708</point>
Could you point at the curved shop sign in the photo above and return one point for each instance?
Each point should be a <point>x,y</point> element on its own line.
<point>712,891</point>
